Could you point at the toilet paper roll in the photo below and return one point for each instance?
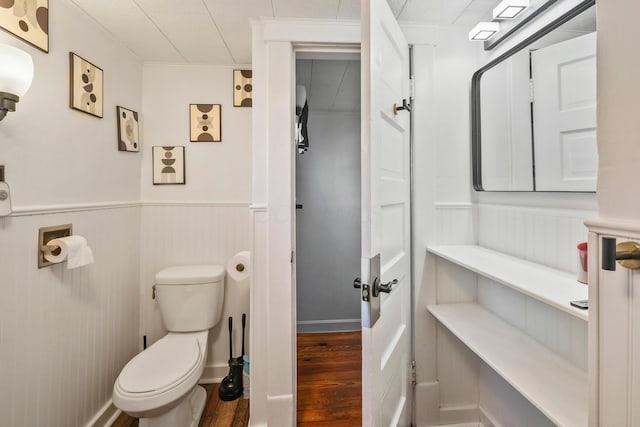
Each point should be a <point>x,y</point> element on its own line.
<point>239,265</point>
<point>72,248</point>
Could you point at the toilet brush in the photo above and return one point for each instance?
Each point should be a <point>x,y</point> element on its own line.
<point>231,386</point>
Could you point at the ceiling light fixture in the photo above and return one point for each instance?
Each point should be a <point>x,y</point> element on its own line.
<point>510,9</point>
<point>484,31</point>
<point>16,74</point>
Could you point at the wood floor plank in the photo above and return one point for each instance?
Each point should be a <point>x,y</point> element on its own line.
<point>329,380</point>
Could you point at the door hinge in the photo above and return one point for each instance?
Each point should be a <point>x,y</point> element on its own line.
<point>291,257</point>
<point>414,377</point>
<point>531,92</point>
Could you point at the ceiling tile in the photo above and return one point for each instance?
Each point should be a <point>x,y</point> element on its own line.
<point>306,8</point>
<point>127,23</point>
<point>436,12</point>
<point>349,9</point>
<point>170,6</point>
<point>478,10</point>
<point>232,18</point>
<point>195,36</point>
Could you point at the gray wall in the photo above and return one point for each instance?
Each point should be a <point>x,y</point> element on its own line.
<point>328,226</point>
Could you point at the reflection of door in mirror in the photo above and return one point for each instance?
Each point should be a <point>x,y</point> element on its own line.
<point>564,115</point>
<point>506,126</point>
<point>534,110</point>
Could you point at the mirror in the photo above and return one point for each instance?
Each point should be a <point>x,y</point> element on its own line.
<point>534,111</point>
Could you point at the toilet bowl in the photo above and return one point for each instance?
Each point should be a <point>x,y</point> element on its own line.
<point>159,385</point>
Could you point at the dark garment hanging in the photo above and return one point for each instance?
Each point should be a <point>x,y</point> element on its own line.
<point>302,140</point>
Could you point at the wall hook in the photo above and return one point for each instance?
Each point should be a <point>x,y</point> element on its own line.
<point>405,106</point>
<point>627,254</point>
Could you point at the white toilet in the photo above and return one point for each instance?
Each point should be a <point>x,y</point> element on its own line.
<point>159,385</point>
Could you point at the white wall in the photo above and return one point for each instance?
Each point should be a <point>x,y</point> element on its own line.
<point>206,220</point>
<point>65,334</point>
<point>328,225</point>
<point>543,228</point>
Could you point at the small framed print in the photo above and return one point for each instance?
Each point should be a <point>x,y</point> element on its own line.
<point>168,165</point>
<point>205,122</point>
<point>128,130</point>
<point>86,86</point>
<point>242,88</point>
<point>27,20</point>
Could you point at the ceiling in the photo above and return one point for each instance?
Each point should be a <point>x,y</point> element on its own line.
<point>218,31</point>
<point>331,85</point>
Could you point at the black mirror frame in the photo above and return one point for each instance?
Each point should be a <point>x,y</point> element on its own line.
<point>476,125</point>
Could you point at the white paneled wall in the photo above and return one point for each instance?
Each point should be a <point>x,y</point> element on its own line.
<point>563,333</point>
<point>195,233</point>
<point>455,224</point>
<point>65,334</point>
<point>543,235</point>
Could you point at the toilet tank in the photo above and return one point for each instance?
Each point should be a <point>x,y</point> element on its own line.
<point>190,296</point>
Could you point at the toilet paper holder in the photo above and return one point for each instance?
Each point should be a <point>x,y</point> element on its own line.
<point>45,235</point>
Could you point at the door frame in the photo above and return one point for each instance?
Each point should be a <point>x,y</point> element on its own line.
<point>272,319</point>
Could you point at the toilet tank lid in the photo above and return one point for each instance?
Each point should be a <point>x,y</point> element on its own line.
<point>190,274</point>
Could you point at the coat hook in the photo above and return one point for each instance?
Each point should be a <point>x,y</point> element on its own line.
<point>405,106</point>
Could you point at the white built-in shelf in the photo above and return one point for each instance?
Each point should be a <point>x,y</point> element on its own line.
<point>553,287</point>
<point>552,384</point>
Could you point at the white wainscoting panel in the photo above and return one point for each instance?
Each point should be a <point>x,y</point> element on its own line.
<point>544,235</point>
<point>66,334</point>
<point>176,233</point>
<point>455,224</point>
<point>563,333</point>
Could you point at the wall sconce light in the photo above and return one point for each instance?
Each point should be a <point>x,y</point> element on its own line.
<point>484,31</point>
<point>16,75</point>
<point>510,9</point>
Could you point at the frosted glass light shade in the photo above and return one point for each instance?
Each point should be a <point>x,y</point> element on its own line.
<point>16,70</point>
<point>484,31</point>
<point>510,9</point>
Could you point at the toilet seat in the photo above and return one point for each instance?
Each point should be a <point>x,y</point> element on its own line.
<point>162,374</point>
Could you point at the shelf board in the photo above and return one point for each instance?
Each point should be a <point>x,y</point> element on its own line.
<point>552,384</point>
<point>553,287</point>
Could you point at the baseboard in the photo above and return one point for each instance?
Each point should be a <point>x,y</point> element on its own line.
<point>487,419</point>
<point>459,414</point>
<point>106,416</point>
<point>214,373</point>
<point>337,325</point>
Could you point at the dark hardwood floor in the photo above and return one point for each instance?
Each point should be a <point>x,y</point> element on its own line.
<point>329,387</point>
<point>216,414</point>
<point>329,379</point>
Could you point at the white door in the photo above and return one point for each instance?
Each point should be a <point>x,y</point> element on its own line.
<point>385,219</point>
<point>564,115</point>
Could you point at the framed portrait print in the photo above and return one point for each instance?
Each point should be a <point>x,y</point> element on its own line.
<point>205,122</point>
<point>168,165</point>
<point>128,130</point>
<point>86,86</point>
<point>28,20</point>
<point>242,88</point>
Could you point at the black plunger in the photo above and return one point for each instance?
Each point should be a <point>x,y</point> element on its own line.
<point>231,386</point>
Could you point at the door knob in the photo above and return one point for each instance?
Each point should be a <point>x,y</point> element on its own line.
<point>357,283</point>
<point>386,287</point>
<point>383,287</point>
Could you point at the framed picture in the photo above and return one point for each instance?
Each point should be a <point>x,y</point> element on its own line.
<point>168,165</point>
<point>205,122</point>
<point>242,88</point>
<point>27,20</point>
<point>86,86</point>
<point>128,130</point>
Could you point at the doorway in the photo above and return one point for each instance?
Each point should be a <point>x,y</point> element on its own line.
<point>328,238</point>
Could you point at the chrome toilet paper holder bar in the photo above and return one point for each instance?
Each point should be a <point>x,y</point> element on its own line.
<point>45,235</point>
